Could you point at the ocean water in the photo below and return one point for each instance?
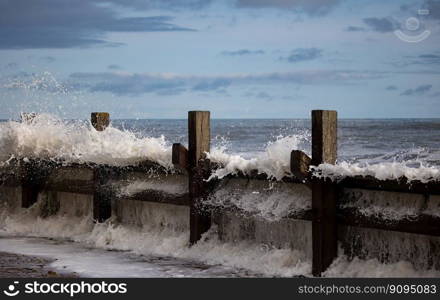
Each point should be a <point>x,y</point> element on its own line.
<point>372,140</point>
<point>381,148</point>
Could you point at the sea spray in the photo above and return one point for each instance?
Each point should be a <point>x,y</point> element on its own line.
<point>271,201</point>
<point>369,268</point>
<point>274,161</point>
<point>77,141</point>
<point>153,237</point>
<point>382,171</point>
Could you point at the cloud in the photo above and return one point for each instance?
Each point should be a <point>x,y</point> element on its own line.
<point>124,83</point>
<point>114,67</point>
<point>310,7</point>
<point>48,59</point>
<point>11,65</point>
<point>427,59</point>
<point>418,91</point>
<point>381,24</point>
<point>391,88</point>
<point>60,24</point>
<point>212,85</point>
<point>355,29</point>
<point>161,4</point>
<point>433,6</point>
<point>303,54</point>
<point>264,96</point>
<point>242,52</point>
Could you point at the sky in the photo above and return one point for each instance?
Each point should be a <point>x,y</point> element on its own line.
<point>236,58</point>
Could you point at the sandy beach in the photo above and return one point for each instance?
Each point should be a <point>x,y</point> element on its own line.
<point>23,266</point>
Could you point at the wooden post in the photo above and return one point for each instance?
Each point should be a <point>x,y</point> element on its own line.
<point>324,136</point>
<point>100,120</point>
<point>29,189</point>
<point>180,156</point>
<point>199,139</point>
<point>33,175</point>
<point>299,164</point>
<point>324,192</point>
<point>29,195</point>
<point>102,209</point>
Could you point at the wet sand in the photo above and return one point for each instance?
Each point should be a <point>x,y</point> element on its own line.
<point>23,266</point>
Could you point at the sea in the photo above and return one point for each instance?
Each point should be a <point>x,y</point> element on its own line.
<point>78,245</point>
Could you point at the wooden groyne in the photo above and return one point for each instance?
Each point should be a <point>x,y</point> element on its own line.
<point>326,214</point>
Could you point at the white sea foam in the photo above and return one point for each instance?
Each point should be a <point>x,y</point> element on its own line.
<point>157,240</point>
<point>269,200</point>
<point>344,267</point>
<point>382,171</point>
<point>49,137</point>
<point>153,239</point>
<point>171,184</point>
<point>274,161</point>
<point>384,204</point>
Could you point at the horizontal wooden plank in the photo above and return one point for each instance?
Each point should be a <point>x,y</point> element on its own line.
<point>420,224</point>
<point>160,197</point>
<point>398,185</point>
<point>306,215</point>
<point>70,186</point>
<point>10,180</point>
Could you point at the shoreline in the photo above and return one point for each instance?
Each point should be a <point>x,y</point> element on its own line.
<point>14,265</point>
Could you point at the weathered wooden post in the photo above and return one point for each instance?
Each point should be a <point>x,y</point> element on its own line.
<point>101,196</point>
<point>100,120</point>
<point>299,164</point>
<point>199,139</point>
<point>324,192</point>
<point>102,208</point>
<point>180,156</point>
<point>33,175</point>
<point>29,189</point>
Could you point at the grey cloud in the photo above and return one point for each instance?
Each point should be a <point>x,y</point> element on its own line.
<point>136,84</point>
<point>310,7</point>
<point>391,88</point>
<point>60,24</point>
<point>264,96</point>
<point>160,4</point>
<point>303,54</point>
<point>114,67</point>
<point>48,59</point>
<point>381,24</point>
<point>433,6</point>
<point>11,65</point>
<point>420,90</point>
<point>427,59</point>
<point>212,85</point>
<point>355,29</point>
<point>242,52</point>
